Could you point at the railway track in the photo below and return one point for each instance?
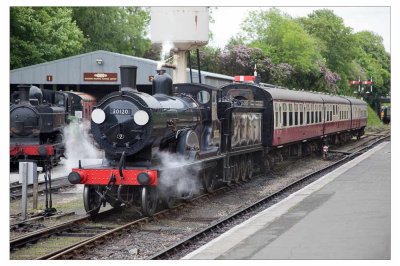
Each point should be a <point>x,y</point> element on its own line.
<point>56,184</point>
<point>95,239</point>
<point>76,228</point>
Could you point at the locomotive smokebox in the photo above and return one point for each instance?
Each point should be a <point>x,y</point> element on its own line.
<point>128,77</point>
<point>162,83</point>
<point>23,92</point>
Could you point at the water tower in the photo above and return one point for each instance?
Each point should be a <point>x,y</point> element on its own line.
<point>185,28</point>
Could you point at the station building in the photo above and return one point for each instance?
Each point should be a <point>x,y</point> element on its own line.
<point>97,73</point>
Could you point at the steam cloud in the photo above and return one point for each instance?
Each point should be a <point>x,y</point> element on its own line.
<point>165,53</point>
<point>78,145</point>
<point>183,179</point>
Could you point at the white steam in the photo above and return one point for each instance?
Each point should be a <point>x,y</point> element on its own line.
<point>178,176</point>
<point>79,146</point>
<point>167,46</point>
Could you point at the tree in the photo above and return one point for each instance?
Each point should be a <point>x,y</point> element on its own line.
<point>114,29</point>
<point>336,41</point>
<point>282,39</point>
<point>240,60</point>
<point>40,34</point>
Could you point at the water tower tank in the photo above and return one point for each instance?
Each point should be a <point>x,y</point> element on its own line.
<point>185,27</point>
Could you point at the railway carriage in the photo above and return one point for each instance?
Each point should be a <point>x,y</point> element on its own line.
<point>297,122</point>
<point>359,115</point>
<point>80,105</point>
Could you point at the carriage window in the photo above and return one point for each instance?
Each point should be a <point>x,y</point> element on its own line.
<point>301,118</point>
<point>327,113</point>
<point>276,119</point>
<point>290,114</point>
<point>284,119</point>
<point>284,114</point>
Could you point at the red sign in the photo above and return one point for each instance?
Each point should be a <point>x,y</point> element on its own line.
<point>367,82</point>
<point>49,78</point>
<point>357,82</point>
<point>103,77</point>
<point>244,78</point>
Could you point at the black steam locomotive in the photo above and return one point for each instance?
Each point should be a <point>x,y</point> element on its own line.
<point>37,120</point>
<point>36,123</point>
<point>198,132</point>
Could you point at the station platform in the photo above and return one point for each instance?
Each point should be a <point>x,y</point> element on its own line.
<point>343,215</point>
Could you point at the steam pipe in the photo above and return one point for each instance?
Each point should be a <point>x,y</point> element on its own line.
<point>198,64</point>
<point>190,67</point>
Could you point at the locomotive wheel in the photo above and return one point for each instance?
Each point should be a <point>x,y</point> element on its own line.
<point>167,197</point>
<point>168,202</point>
<point>243,170</point>
<point>209,181</point>
<point>267,165</point>
<point>149,201</point>
<point>250,172</point>
<point>91,199</point>
<point>236,172</point>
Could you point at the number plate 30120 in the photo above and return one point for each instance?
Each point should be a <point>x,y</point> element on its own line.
<point>120,111</point>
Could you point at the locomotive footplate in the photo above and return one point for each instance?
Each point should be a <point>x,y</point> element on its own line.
<point>32,150</point>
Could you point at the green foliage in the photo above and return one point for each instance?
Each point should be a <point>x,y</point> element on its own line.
<point>373,118</point>
<point>282,39</point>
<point>318,53</point>
<point>115,29</point>
<point>208,56</point>
<point>336,41</point>
<point>40,34</point>
<point>374,60</point>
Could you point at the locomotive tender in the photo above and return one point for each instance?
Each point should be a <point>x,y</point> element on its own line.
<point>224,134</point>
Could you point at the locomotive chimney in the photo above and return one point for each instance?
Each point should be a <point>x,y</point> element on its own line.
<point>23,92</point>
<point>128,77</point>
<point>162,83</point>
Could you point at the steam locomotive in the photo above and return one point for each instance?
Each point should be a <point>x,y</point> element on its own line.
<point>219,135</point>
<point>37,119</point>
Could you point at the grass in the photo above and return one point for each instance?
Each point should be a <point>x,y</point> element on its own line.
<point>373,119</point>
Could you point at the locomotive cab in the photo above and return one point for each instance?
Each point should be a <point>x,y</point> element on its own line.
<point>206,96</point>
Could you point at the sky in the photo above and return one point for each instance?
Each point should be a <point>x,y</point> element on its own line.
<point>376,19</point>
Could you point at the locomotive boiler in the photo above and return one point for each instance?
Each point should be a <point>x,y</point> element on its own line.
<point>135,125</point>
